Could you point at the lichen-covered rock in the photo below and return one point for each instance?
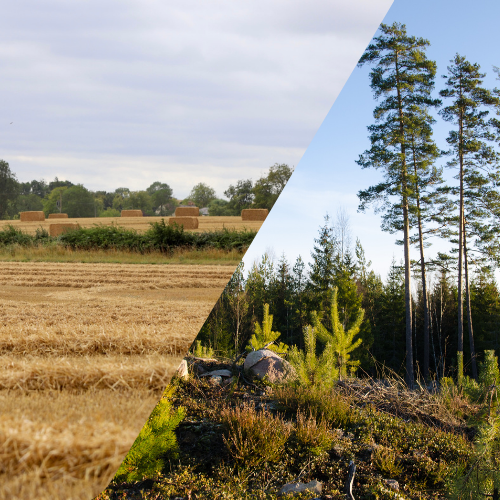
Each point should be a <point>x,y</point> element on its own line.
<point>265,362</point>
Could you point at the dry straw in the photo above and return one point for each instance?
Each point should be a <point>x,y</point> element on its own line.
<point>187,212</point>
<point>132,213</point>
<point>254,214</point>
<point>58,216</point>
<point>58,229</point>
<point>32,216</point>
<point>187,222</point>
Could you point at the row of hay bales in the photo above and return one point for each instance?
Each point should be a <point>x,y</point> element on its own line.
<point>184,216</point>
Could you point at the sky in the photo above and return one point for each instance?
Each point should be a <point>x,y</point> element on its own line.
<point>327,179</point>
<point>114,93</point>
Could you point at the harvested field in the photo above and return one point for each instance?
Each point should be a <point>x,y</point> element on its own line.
<point>85,352</point>
<point>140,224</point>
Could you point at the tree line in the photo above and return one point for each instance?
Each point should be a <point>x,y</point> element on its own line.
<point>299,295</point>
<point>413,197</point>
<point>157,199</point>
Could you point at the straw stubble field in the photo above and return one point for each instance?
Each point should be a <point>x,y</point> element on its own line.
<point>85,352</point>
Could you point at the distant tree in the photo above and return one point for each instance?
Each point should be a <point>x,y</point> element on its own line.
<point>57,183</point>
<point>267,189</point>
<point>26,203</point>
<point>219,207</point>
<point>161,196</point>
<point>202,195</point>
<point>9,188</point>
<point>322,269</point>
<point>240,196</point>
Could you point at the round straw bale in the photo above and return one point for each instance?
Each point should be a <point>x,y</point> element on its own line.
<point>254,214</point>
<point>32,216</point>
<point>187,212</point>
<point>132,213</point>
<point>57,229</point>
<point>186,222</point>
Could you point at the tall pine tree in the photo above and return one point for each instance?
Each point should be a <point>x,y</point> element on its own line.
<point>403,79</point>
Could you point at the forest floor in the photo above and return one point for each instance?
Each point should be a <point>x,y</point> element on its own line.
<point>245,439</point>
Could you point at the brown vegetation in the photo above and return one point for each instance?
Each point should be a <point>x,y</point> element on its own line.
<point>85,352</point>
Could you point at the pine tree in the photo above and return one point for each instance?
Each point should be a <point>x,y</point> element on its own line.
<point>472,156</point>
<point>264,336</point>
<point>404,78</point>
<point>235,297</point>
<point>340,341</point>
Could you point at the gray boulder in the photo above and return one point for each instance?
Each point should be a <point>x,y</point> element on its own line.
<point>297,488</point>
<point>266,362</point>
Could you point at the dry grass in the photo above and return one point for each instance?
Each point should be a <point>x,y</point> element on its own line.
<point>140,224</point>
<point>57,253</point>
<point>62,445</point>
<point>85,351</point>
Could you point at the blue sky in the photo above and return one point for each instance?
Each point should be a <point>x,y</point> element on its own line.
<point>327,178</point>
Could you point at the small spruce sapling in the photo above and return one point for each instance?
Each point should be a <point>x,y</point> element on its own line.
<point>341,343</point>
<point>312,370</point>
<point>264,336</point>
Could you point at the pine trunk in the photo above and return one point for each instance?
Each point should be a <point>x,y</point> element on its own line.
<point>469,315</point>
<point>460,244</point>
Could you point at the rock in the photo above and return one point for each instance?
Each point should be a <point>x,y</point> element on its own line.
<point>266,362</point>
<point>216,380</point>
<point>296,488</point>
<point>217,373</point>
<point>182,372</point>
<point>392,483</point>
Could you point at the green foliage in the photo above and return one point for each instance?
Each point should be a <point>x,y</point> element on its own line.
<point>201,351</point>
<point>76,201</point>
<point>267,189</point>
<point>339,342</point>
<point>313,370</point>
<point>155,444</point>
<point>109,212</point>
<point>263,335</point>
<point>202,195</point>
<point>480,476</point>
<point>385,461</point>
<point>489,373</point>
<point>9,188</point>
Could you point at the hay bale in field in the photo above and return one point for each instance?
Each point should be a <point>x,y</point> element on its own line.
<point>132,213</point>
<point>57,229</point>
<point>187,212</point>
<point>187,222</point>
<point>257,214</point>
<point>58,216</point>
<point>32,216</point>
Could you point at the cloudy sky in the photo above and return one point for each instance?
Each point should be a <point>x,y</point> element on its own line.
<point>115,93</point>
<point>327,179</point>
